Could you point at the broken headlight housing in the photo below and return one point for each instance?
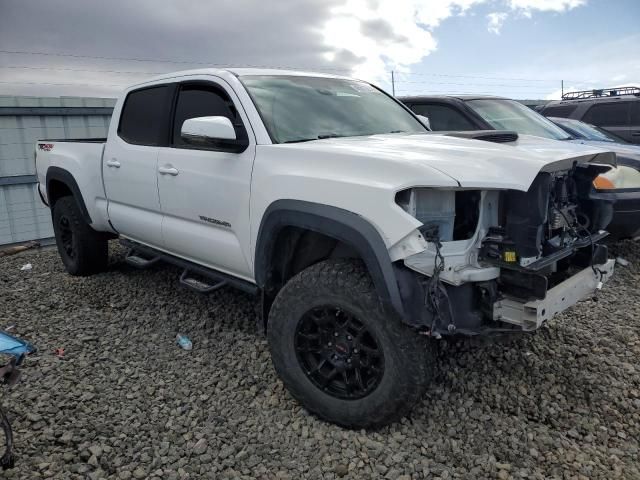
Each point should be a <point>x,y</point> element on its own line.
<point>454,213</point>
<point>618,178</point>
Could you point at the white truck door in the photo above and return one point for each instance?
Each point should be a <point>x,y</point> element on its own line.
<point>130,164</point>
<point>204,189</point>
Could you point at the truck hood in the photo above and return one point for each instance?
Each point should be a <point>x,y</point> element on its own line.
<point>471,163</point>
<point>620,149</point>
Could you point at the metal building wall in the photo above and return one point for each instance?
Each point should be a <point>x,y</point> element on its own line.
<point>23,121</point>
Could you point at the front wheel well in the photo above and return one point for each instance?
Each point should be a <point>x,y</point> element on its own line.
<point>298,248</point>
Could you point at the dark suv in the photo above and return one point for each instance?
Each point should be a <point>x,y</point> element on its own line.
<point>614,109</point>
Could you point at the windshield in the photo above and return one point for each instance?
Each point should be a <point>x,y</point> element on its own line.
<point>297,109</point>
<point>585,131</point>
<point>511,115</point>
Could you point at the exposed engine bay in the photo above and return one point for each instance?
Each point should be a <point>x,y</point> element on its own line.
<point>497,260</point>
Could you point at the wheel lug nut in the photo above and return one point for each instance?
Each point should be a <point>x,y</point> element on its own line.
<point>349,337</point>
<point>329,344</point>
<point>348,360</point>
<point>335,334</point>
<point>355,350</point>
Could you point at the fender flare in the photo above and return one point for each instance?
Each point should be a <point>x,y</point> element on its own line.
<point>343,225</point>
<point>65,177</point>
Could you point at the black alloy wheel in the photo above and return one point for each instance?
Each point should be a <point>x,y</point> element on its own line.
<point>338,353</point>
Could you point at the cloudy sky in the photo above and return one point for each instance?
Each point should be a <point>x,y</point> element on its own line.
<point>516,48</point>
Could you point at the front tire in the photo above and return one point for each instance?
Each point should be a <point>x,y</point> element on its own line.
<point>83,250</point>
<point>340,354</point>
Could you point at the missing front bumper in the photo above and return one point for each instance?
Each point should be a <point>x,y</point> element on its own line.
<point>531,315</point>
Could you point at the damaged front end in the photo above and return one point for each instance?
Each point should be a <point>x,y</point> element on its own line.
<point>505,260</point>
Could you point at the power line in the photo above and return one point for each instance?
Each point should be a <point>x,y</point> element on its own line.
<point>59,69</point>
<point>216,64</point>
<point>485,77</point>
<point>156,60</point>
<point>467,83</point>
<point>69,84</point>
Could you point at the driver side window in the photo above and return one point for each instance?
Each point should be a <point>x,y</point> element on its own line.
<point>205,100</point>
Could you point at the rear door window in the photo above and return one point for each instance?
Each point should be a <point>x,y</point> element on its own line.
<point>443,117</point>
<point>144,116</point>
<point>608,114</point>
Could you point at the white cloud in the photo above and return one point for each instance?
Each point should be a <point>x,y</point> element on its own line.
<point>396,34</point>
<point>496,20</point>
<point>528,6</point>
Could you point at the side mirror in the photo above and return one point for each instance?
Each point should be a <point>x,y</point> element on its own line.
<point>425,121</point>
<point>204,130</point>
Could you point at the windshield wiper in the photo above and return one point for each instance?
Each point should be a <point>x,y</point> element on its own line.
<point>300,140</point>
<point>330,135</point>
<point>319,137</point>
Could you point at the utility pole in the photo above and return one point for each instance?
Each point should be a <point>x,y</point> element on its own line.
<point>393,84</point>
<point>562,88</point>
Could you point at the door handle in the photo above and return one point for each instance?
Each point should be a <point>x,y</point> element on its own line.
<point>168,170</point>
<point>113,163</point>
<point>635,134</point>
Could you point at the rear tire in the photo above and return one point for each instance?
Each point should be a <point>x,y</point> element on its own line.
<point>328,320</point>
<point>83,250</point>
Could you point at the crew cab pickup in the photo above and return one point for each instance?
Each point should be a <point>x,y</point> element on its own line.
<point>365,236</point>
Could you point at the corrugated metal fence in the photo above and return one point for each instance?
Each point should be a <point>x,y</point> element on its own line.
<point>23,121</point>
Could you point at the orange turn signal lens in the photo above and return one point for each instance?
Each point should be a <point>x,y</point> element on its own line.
<point>603,183</point>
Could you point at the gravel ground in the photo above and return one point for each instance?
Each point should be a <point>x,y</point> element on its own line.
<point>126,402</point>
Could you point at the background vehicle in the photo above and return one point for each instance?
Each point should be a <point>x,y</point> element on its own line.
<point>362,233</point>
<point>620,183</point>
<point>465,112</point>
<point>617,110</point>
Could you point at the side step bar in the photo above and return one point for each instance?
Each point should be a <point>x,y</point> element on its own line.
<point>138,261</point>
<point>199,285</point>
<point>149,256</point>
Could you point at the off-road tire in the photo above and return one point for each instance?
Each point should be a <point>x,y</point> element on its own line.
<point>408,357</point>
<point>86,251</point>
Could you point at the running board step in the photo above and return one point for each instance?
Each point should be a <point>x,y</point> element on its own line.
<point>138,261</point>
<point>200,286</point>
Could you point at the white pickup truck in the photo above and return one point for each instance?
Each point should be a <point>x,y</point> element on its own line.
<point>364,235</point>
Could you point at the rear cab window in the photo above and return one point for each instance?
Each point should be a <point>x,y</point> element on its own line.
<point>144,116</point>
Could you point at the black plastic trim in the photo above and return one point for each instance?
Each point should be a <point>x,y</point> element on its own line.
<point>62,175</point>
<point>334,222</point>
<point>41,196</point>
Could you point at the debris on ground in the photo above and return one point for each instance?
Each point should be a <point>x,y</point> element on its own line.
<point>26,266</point>
<point>18,248</point>
<point>184,342</point>
<point>622,262</point>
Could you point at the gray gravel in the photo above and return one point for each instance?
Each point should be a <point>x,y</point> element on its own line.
<point>125,402</point>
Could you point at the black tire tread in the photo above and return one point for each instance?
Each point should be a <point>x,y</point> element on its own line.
<point>351,275</point>
<point>92,247</point>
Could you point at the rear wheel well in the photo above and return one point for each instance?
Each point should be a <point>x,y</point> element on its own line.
<point>298,248</point>
<point>57,189</point>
